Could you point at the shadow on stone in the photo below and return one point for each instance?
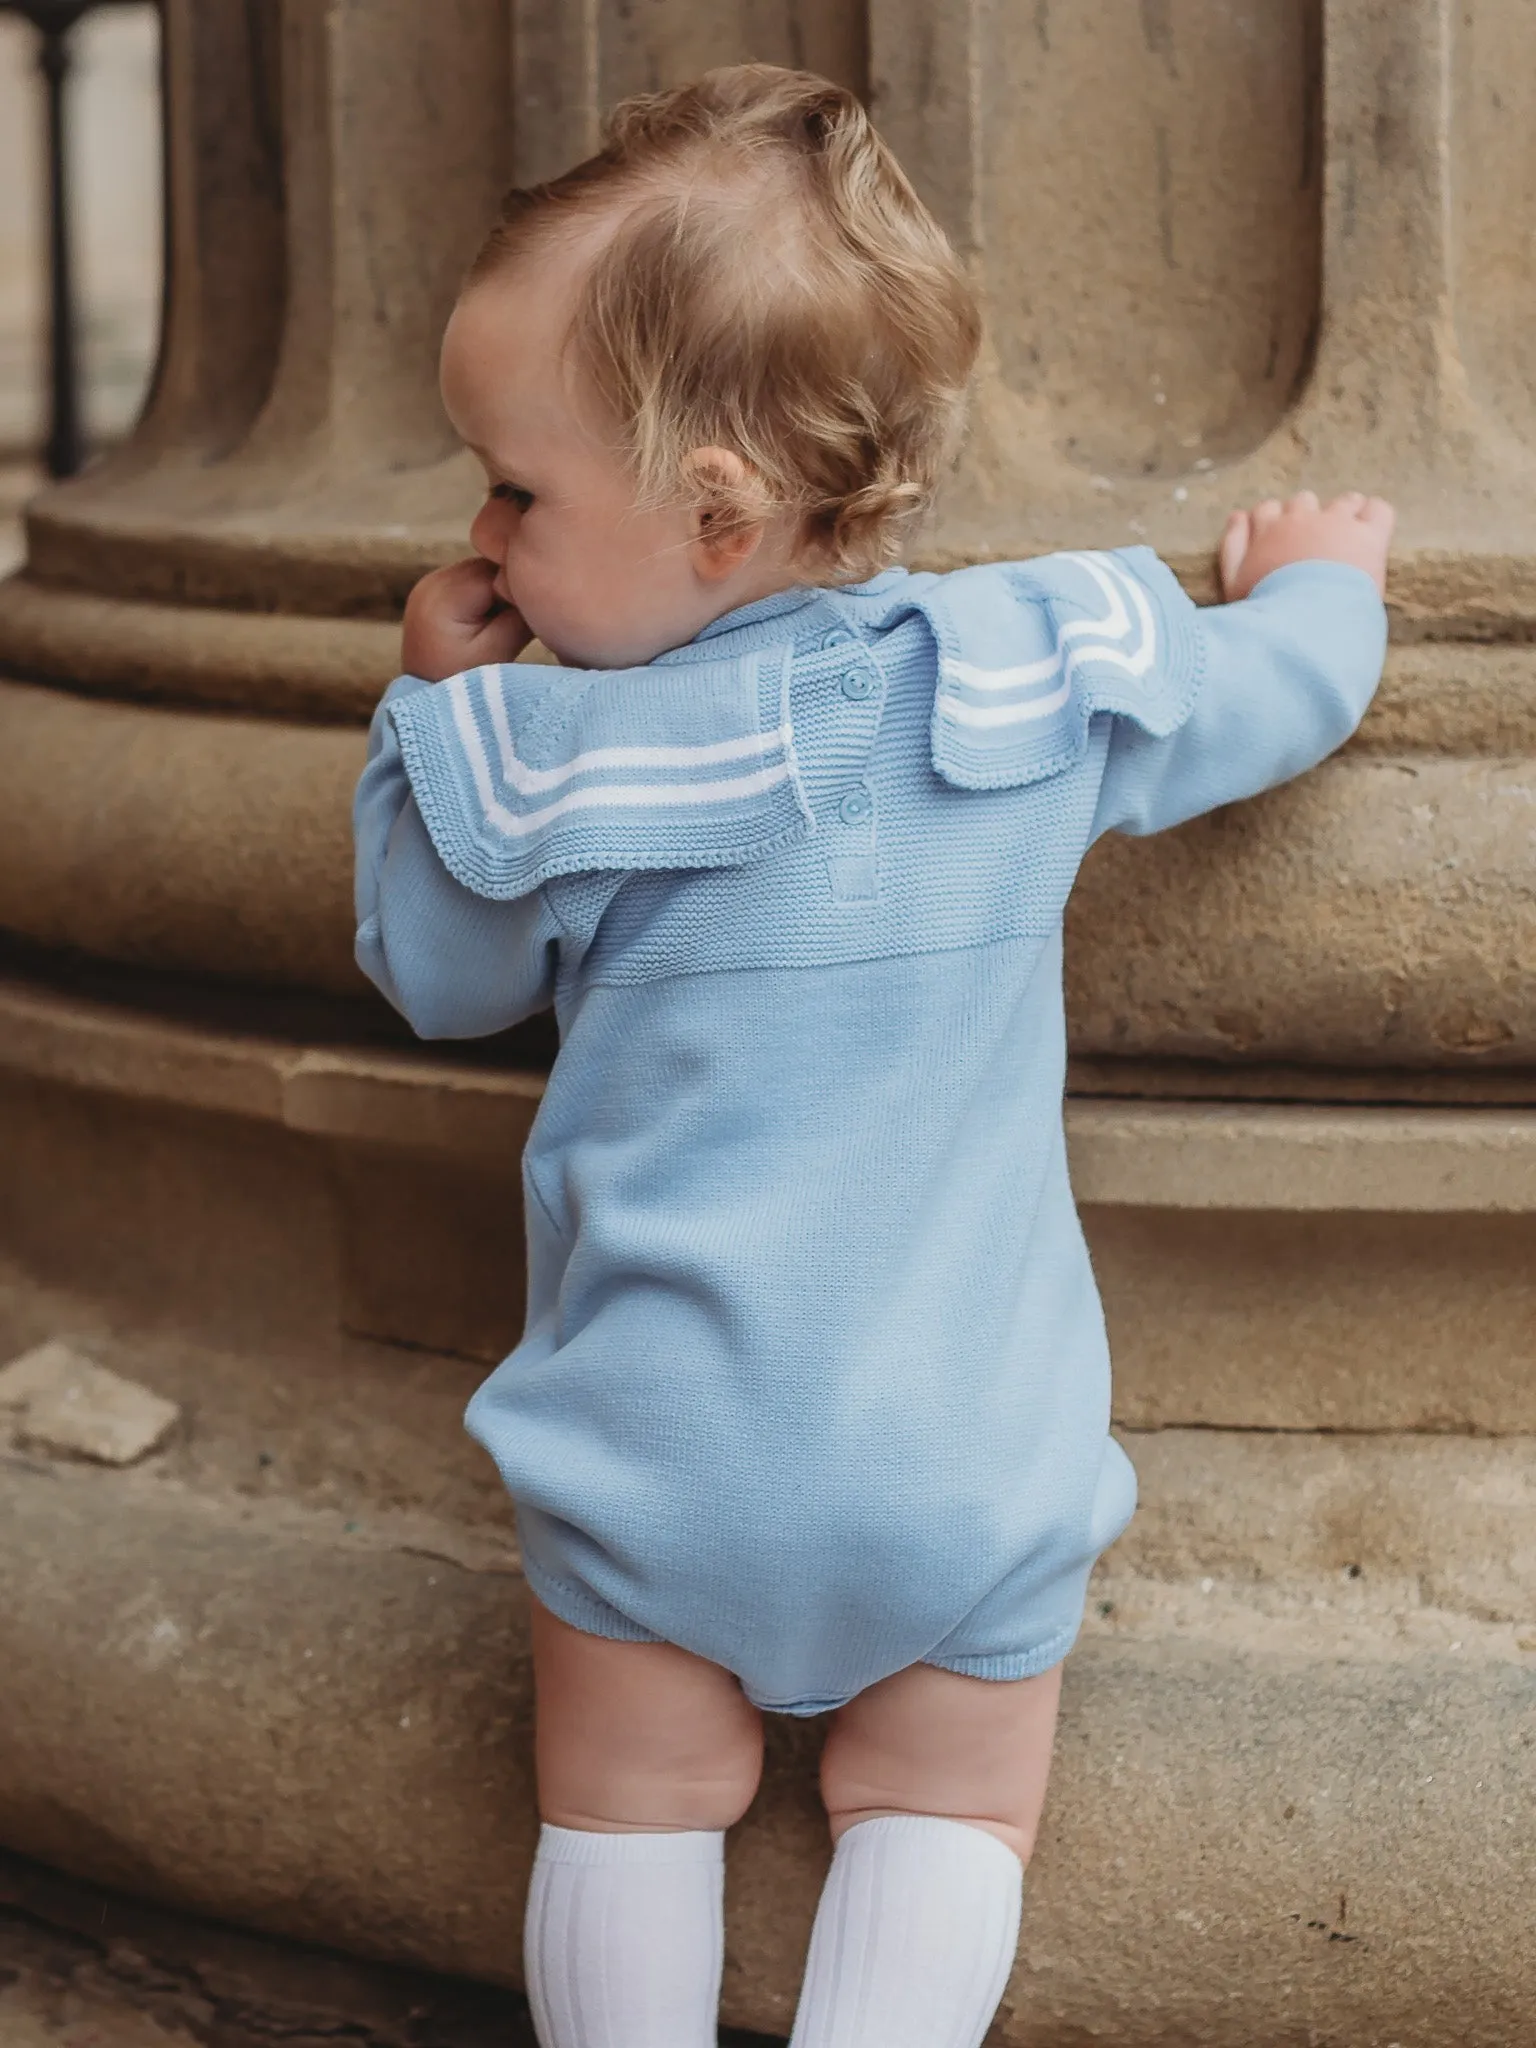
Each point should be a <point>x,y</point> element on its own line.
<point>71,1952</point>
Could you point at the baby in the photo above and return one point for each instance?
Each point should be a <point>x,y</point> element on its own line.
<point>811,1412</point>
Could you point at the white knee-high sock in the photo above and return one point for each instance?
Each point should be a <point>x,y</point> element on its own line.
<point>914,1937</point>
<point>625,1939</point>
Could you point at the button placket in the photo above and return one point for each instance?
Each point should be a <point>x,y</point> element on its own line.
<point>851,865</point>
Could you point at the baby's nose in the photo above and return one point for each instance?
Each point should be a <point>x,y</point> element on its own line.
<point>487,532</point>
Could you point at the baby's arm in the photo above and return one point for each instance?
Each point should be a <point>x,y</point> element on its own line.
<point>1291,661</point>
<point>455,965</point>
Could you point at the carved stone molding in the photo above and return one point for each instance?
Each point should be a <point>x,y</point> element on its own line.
<point>1223,250</point>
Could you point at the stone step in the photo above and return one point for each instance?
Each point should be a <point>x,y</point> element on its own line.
<point>82,1967</point>
<point>1408,1534</point>
<point>277,1673</point>
<point>1264,1266</point>
<point>1284,1794</point>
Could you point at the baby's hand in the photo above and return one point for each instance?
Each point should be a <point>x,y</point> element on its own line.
<point>454,620</point>
<point>1353,529</point>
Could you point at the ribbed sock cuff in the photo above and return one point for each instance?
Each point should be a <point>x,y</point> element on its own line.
<point>578,1845</point>
<point>927,1830</point>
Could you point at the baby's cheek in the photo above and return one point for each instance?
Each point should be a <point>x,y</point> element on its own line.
<point>560,609</point>
<point>607,598</point>
<point>535,590</point>
<point>607,592</point>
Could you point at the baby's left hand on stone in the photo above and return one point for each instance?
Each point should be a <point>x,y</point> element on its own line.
<point>1353,528</point>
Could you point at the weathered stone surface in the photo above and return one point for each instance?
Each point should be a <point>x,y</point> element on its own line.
<point>1129,390</point>
<point>36,2015</point>
<point>269,1764</point>
<point>1376,911</point>
<point>256,1713</point>
<point>171,840</point>
<point>305,668</point>
<point>82,1967</point>
<point>35,1373</point>
<point>1413,1528</point>
<point>1287,1158</point>
<point>325,1484</point>
<point>1344,1322</point>
<point>1156,364</point>
<point>63,1402</point>
<point>1262,1266</point>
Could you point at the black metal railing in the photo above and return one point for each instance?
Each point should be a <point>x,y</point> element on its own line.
<point>55,22</point>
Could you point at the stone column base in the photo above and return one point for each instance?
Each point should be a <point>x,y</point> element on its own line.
<point>277,1672</point>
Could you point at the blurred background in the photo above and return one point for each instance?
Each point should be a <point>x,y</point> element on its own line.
<point>113,175</point>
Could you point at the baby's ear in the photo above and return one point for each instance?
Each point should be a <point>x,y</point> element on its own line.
<point>728,513</point>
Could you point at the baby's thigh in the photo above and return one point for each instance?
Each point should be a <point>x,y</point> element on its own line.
<point>934,1742</point>
<point>635,1737</point>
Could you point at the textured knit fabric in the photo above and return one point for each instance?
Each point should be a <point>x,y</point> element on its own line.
<point>814,1381</point>
<point>914,1937</point>
<point>625,1939</point>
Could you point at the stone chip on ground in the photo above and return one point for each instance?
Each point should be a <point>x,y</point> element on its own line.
<point>63,1402</point>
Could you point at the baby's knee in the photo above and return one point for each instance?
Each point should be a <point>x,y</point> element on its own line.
<point>717,1786</point>
<point>852,1794</point>
<point>703,1784</point>
<point>932,1743</point>
<point>639,1802</point>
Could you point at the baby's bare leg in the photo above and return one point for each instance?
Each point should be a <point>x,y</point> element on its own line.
<point>645,1756</point>
<point>933,1785</point>
<point>639,1737</point>
<point>930,1741</point>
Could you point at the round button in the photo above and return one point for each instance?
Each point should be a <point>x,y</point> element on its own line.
<point>858,684</point>
<point>855,806</point>
<point>838,637</point>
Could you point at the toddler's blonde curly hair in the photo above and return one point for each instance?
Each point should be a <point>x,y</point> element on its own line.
<point>773,286</point>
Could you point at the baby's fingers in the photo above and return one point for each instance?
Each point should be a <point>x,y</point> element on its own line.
<point>503,636</point>
<point>464,589</point>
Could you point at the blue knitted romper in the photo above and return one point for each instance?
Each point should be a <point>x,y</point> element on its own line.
<point>814,1381</point>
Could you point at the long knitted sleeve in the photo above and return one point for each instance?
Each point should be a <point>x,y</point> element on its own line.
<point>453,964</point>
<point>1287,674</point>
